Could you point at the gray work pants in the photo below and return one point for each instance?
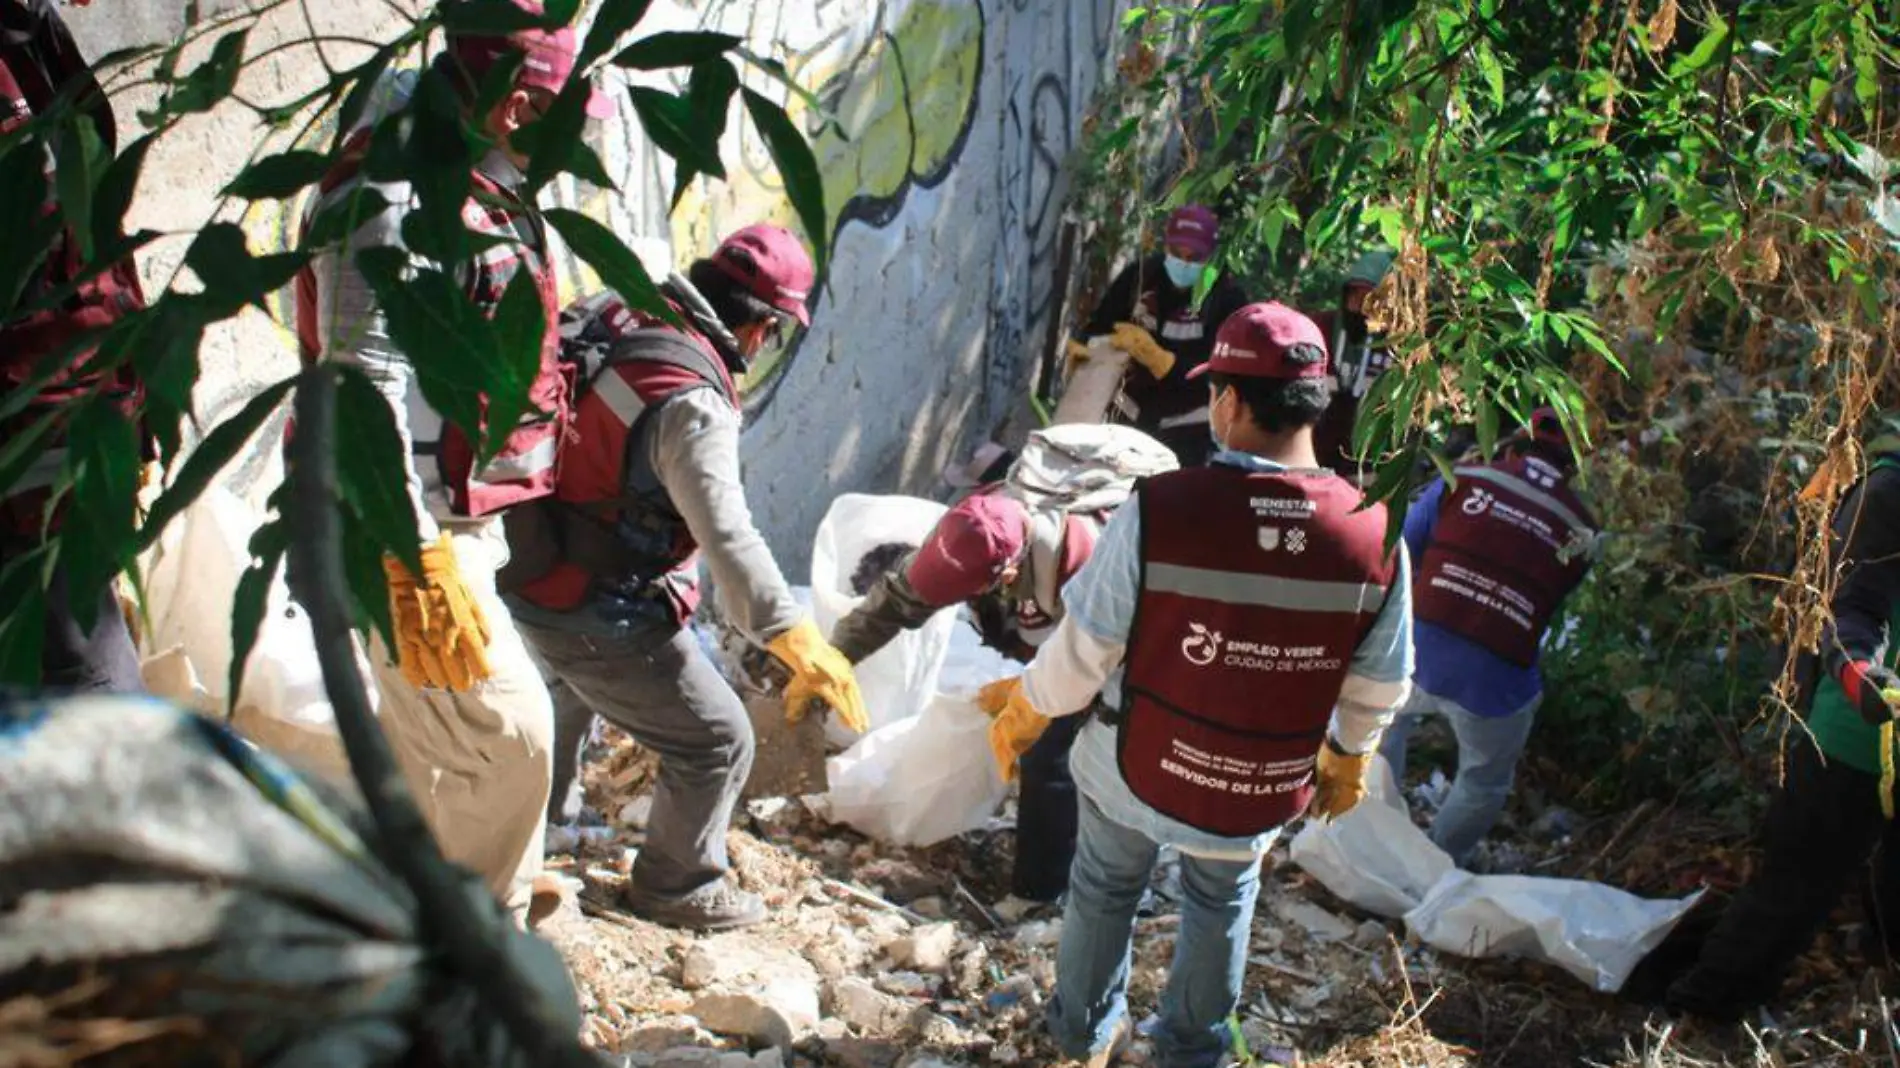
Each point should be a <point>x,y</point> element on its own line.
<point>658,686</point>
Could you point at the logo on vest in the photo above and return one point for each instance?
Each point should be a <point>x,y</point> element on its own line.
<point>1201,646</point>
<point>1478,503</point>
<point>1294,541</point>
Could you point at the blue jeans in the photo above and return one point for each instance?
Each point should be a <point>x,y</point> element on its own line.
<point>1488,750</point>
<point>1112,867</point>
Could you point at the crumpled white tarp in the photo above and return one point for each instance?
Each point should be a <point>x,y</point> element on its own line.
<point>1376,858</point>
<point>900,679</point>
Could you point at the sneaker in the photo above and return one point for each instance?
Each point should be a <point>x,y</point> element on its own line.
<point>717,906</point>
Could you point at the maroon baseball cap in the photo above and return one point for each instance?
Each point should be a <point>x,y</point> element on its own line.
<point>1193,228</point>
<point>1546,427</point>
<point>1254,340</point>
<point>773,266</point>
<point>969,549</point>
<point>547,58</point>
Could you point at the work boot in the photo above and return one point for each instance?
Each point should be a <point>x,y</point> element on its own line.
<point>716,906</point>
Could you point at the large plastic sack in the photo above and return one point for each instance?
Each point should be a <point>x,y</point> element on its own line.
<point>1595,932</point>
<point>191,587</point>
<point>900,679</point>
<point>1376,858</point>
<point>1373,856</point>
<point>228,913</point>
<point>919,780</point>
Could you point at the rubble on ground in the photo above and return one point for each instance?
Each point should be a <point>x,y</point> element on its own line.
<point>884,957</point>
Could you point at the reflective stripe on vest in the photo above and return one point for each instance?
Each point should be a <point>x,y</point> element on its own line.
<point>1256,590</point>
<point>1265,591</point>
<point>1510,543</point>
<point>619,397</point>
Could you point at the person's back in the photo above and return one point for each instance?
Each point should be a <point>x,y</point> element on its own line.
<point>1249,634</point>
<point>1496,554</point>
<point>609,579</point>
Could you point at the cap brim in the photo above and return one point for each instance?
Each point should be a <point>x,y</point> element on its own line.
<point>1197,370</point>
<point>797,311</point>
<point>599,104</point>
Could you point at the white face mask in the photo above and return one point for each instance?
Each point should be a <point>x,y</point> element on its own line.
<point>1182,273</point>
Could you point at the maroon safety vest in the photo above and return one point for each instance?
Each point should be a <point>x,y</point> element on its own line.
<point>529,461</point>
<point>1256,590</point>
<point>619,529</point>
<point>95,304</point>
<point>1510,543</point>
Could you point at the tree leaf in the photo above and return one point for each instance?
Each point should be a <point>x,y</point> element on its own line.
<point>30,233</point>
<point>371,466</point>
<point>211,456</point>
<point>252,597</point>
<point>670,123</point>
<point>281,175</point>
<point>520,326</point>
<point>104,470</point>
<point>797,167</point>
<point>1705,49</point>
<point>672,48</point>
<point>1491,69</point>
<point>369,582</point>
<point>23,624</point>
<point>79,161</point>
<point>814,108</point>
<point>341,218</point>
<point>710,91</point>
<point>21,450</point>
<point>448,341</point>
<point>616,264</point>
<point>611,23</point>
<point>550,140</point>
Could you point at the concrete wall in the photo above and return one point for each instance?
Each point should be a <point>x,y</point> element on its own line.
<point>944,194</point>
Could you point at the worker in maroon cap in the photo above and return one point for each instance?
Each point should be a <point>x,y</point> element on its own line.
<point>604,576</point>
<point>1009,565</point>
<point>1157,293</point>
<point>463,704</point>
<point>1249,634</point>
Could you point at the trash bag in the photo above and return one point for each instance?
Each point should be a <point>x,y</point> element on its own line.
<point>919,780</point>
<point>191,589</point>
<point>1373,856</point>
<point>1378,859</point>
<point>1595,932</point>
<point>167,885</point>
<point>900,679</point>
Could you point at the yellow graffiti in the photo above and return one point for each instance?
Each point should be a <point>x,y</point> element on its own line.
<point>901,104</point>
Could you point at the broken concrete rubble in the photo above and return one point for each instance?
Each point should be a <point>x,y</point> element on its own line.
<point>927,949</point>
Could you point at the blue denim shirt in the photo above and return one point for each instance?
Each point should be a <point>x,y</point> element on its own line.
<point>1101,600</point>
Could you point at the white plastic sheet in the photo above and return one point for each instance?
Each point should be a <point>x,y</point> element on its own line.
<point>1376,858</point>
<point>899,679</point>
<point>919,780</point>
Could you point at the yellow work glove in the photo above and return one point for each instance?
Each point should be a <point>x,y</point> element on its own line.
<point>1342,781</point>
<point>441,636</point>
<point>1075,355</point>
<point>1014,722</point>
<point>1141,346</point>
<point>819,673</point>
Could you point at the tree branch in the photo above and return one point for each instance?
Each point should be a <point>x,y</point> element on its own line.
<point>470,939</point>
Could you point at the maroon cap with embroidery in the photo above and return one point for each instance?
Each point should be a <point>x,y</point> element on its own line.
<point>547,58</point>
<point>1254,342</point>
<point>969,549</point>
<point>1193,228</point>
<point>773,266</point>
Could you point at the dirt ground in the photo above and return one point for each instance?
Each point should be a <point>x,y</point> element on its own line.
<point>1328,985</point>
